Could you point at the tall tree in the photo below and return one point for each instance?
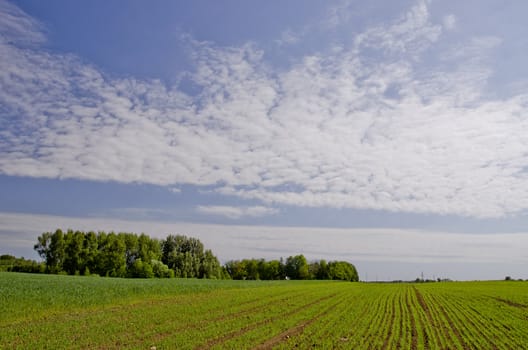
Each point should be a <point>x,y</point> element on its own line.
<point>73,257</point>
<point>43,245</point>
<point>112,255</point>
<point>56,252</point>
<point>183,254</point>
<point>296,267</point>
<point>90,253</point>
<point>210,266</point>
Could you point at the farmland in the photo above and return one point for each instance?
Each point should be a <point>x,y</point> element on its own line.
<point>51,311</point>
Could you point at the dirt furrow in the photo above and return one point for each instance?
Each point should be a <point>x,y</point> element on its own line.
<point>250,327</point>
<point>298,329</point>
<point>414,332</point>
<point>454,327</point>
<point>511,303</point>
<point>478,328</point>
<point>402,312</point>
<point>428,315</point>
<point>446,336</point>
<point>255,309</point>
<point>391,325</point>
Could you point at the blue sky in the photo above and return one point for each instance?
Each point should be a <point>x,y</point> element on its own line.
<point>392,136</point>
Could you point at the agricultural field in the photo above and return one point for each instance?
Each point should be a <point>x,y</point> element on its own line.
<point>56,312</point>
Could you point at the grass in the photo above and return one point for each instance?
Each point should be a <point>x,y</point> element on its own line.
<point>68,312</point>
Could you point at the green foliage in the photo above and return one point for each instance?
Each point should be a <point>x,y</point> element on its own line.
<point>271,270</point>
<point>187,258</point>
<point>125,255</point>
<point>139,256</point>
<point>141,269</point>
<point>342,270</point>
<point>111,260</point>
<point>161,270</point>
<point>296,268</point>
<point>210,266</point>
<point>14,264</point>
<point>56,252</point>
<point>253,269</point>
<point>73,259</point>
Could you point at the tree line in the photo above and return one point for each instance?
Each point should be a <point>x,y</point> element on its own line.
<point>132,255</point>
<point>11,263</point>
<point>126,255</point>
<point>295,267</point>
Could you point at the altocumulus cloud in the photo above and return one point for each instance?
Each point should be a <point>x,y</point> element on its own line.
<point>360,125</point>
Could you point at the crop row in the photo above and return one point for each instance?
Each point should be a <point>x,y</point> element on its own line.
<point>419,317</point>
<point>283,314</point>
<point>220,318</point>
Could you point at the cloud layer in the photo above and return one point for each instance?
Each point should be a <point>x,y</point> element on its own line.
<point>389,253</point>
<point>363,124</point>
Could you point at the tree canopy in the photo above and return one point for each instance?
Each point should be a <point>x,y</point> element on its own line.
<point>132,255</point>
<point>295,267</point>
<point>125,255</point>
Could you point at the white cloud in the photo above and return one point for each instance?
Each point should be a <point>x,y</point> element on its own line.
<point>374,251</point>
<point>409,35</point>
<point>337,14</point>
<point>175,190</point>
<point>449,22</point>
<point>288,37</point>
<point>15,23</point>
<point>236,212</point>
<point>365,126</point>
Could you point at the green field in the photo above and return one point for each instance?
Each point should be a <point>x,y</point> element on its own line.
<point>55,312</point>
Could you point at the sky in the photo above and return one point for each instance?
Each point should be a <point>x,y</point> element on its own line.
<point>390,135</point>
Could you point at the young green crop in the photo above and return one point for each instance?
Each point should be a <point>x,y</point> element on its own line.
<point>68,312</point>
